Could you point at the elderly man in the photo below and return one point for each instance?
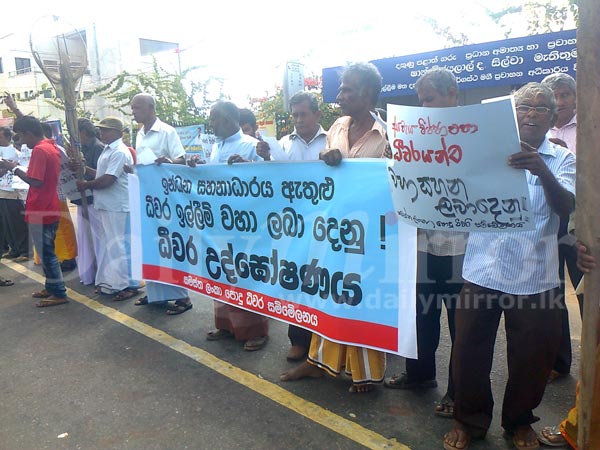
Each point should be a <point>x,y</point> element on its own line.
<point>515,275</point>
<point>356,135</point>
<point>564,132</point>
<point>111,202</point>
<point>304,144</point>
<point>234,146</point>
<point>158,142</point>
<point>439,269</point>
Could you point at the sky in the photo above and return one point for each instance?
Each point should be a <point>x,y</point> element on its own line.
<point>247,44</point>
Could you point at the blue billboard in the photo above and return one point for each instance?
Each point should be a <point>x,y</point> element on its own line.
<point>500,63</point>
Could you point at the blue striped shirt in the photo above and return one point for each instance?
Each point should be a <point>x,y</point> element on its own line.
<point>524,263</point>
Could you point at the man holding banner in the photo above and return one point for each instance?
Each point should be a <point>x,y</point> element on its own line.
<point>356,135</point>
<point>516,275</point>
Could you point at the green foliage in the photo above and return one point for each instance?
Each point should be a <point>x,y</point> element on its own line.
<point>540,16</point>
<point>272,106</point>
<point>174,105</point>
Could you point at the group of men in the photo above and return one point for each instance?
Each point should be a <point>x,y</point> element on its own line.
<point>491,276</point>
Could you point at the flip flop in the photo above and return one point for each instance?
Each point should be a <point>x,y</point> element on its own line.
<point>141,301</point>
<point>6,282</point>
<point>552,437</point>
<point>52,301</point>
<point>41,294</point>
<point>217,335</point>
<point>519,438</point>
<point>254,344</point>
<point>455,431</point>
<point>445,408</point>
<point>178,308</point>
<point>125,294</point>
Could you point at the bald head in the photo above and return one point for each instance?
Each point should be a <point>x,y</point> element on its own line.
<point>143,109</point>
<point>224,119</point>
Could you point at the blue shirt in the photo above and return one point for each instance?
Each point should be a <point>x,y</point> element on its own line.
<point>526,262</point>
<point>238,143</point>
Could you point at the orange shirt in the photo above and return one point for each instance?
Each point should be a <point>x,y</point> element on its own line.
<point>371,145</point>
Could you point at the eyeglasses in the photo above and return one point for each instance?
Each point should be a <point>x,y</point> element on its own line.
<point>524,109</point>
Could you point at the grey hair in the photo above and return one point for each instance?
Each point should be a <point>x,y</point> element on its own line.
<point>303,96</point>
<point>532,90</point>
<point>561,79</point>
<point>368,76</point>
<point>440,79</point>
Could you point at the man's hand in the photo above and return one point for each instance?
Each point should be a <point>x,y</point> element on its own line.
<point>8,164</point>
<point>237,159</point>
<point>195,160</point>
<point>585,261</point>
<point>263,150</point>
<point>74,165</point>
<point>528,159</point>
<point>162,160</point>
<point>331,156</point>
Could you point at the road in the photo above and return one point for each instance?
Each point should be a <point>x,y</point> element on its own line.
<point>96,374</point>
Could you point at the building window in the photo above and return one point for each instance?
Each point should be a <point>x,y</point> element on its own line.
<point>149,46</point>
<point>23,65</point>
<point>47,93</point>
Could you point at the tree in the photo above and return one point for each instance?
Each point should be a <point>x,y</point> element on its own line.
<point>539,16</point>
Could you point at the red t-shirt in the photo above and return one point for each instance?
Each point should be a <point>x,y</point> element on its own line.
<point>42,205</point>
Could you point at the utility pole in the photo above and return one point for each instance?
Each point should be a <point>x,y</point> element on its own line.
<point>588,207</point>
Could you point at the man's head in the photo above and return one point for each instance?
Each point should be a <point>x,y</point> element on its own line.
<point>111,129</point>
<point>87,131</point>
<point>437,88</point>
<point>29,129</point>
<point>224,119</point>
<point>536,112</point>
<point>360,88</point>
<point>565,91</point>
<point>248,122</point>
<point>143,108</point>
<point>5,136</point>
<point>305,114</point>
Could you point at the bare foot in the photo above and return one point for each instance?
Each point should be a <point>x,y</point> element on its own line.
<point>457,438</point>
<point>304,370</point>
<point>525,438</point>
<point>361,388</point>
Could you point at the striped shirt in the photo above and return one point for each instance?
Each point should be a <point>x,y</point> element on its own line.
<point>524,263</point>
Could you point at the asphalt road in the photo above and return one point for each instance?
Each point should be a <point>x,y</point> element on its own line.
<point>95,374</point>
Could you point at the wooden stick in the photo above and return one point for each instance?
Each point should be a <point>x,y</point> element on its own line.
<point>588,202</point>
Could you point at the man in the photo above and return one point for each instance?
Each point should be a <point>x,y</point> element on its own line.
<point>111,201</point>
<point>564,132</point>
<point>439,268</point>
<point>356,135</point>
<point>234,146</point>
<point>304,144</point>
<point>164,145</point>
<point>12,208</point>
<point>248,123</point>
<point>87,237</point>
<point>42,208</point>
<point>516,275</point>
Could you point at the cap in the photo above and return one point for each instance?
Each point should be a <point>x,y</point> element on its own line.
<point>111,122</point>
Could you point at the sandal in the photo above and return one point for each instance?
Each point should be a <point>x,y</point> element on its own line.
<point>524,438</point>
<point>141,301</point>
<point>254,344</point>
<point>41,294</point>
<point>178,308</point>
<point>217,335</point>
<point>445,408</point>
<point>552,437</point>
<point>452,439</point>
<point>6,282</point>
<point>401,381</point>
<point>361,388</point>
<point>52,301</point>
<point>125,294</point>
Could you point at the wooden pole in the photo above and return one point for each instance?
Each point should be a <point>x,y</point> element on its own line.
<point>588,202</point>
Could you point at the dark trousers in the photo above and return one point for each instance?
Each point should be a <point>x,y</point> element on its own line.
<point>43,237</point>
<point>14,228</point>
<point>567,255</point>
<point>299,336</point>
<point>439,282</point>
<point>532,324</point>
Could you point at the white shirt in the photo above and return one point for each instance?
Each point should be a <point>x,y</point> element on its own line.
<point>6,190</point>
<point>161,139</point>
<point>524,262</point>
<point>111,161</point>
<point>297,149</point>
<point>239,143</point>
